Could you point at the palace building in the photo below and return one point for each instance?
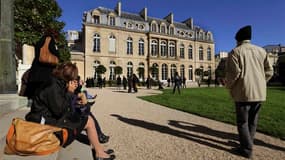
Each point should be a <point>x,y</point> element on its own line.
<point>139,43</point>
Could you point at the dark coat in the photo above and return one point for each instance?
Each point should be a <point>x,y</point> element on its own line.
<point>39,72</point>
<point>53,102</point>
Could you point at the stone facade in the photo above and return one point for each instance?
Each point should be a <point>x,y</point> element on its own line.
<point>116,38</point>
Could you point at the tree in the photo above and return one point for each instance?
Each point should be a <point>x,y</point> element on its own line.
<point>33,18</point>
<point>140,71</point>
<point>153,70</point>
<point>100,69</point>
<point>199,72</point>
<point>118,70</point>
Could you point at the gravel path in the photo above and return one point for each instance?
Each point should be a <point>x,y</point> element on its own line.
<point>141,130</point>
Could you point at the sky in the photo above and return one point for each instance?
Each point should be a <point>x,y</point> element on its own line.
<point>222,17</point>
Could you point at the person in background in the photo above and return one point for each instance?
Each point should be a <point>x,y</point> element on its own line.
<point>247,71</point>
<point>119,82</point>
<point>177,82</point>
<point>52,105</point>
<point>125,82</point>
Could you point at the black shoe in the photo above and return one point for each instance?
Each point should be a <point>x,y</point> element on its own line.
<point>241,152</point>
<point>103,138</point>
<point>90,103</point>
<point>110,158</point>
<point>109,151</point>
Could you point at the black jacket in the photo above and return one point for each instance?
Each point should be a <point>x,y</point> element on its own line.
<point>53,102</point>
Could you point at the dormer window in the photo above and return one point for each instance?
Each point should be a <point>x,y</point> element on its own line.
<point>141,27</point>
<point>171,30</point>
<point>112,21</point>
<point>96,19</point>
<point>163,29</point>
<point>130,25</point>
<point>153,27</point>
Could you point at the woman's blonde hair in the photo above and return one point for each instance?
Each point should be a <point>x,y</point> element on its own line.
<point>66,71</point>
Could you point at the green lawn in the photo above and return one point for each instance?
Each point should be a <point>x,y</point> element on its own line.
<point>215,103</point>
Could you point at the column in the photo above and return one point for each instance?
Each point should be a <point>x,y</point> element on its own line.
<point>7,52</point>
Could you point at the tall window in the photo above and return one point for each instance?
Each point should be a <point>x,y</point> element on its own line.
<point>141,70</point>
<point>129,69</point>
<point>209,71</point>
<point>172,70</point>
<point>129,45</point>
<point>163,49</point>
<point>154,72</point>
<point>96,39</point>
<point>209,54</point>
<point>141,47</point>
<point>112,21</point>
<point>96,19</point>
<point>154,48</point>
<point>182,54</point>
<point>171,49</point>
<point>190,52</point>
<point>112,70</point>
<point>153,27</point>
<point>190,70</point>
<point>171,30</point>
<point>164,71</point>
<point>112,43</point>
<point>95,65</point>
<point>163,30</point>
<point>201,56</point>
<point>182,71</point>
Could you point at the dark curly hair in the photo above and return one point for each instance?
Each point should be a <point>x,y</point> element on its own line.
<point>66,71</point>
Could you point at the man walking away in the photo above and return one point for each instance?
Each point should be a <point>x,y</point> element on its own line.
<point>247,71</point>
<point>177,82</point>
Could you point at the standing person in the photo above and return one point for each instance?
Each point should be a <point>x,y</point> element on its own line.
<point>177,82</point>
<point>41,72</point>
<point>135,83</point>
<point>184,82</point>
<point>247,71</point>
<point>125,82</point>
<point>52,104</point>
<point>130,83</point>
<point>168,82</point>
<point>119,82</point>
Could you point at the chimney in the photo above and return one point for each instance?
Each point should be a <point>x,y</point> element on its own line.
<point>143,13</point>
<point>118,8</point>
<point>169,18</point>
<point>189,22</point>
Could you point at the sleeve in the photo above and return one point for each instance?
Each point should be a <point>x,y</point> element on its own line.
<point>268,69</point>
<point>58,102</point>
<point>232,69</point>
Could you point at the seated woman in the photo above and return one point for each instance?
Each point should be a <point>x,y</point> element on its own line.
<point>52,105</point>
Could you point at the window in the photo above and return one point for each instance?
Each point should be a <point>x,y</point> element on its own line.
<point>141,70</point>
<point>173,70</point>
<point>182,71</point>
<point>154,72</point>
<point>112,43</point>
<point>96,19</point>
<point>130,25</point>
<point>129,69</point>
<point>163,30</point>
<point>153,27</point>
<point>96,39</point>
<point>209,71</point>
<point>112,21</point>
<point>141,47</point>
<point>164,71</point>
<point>182,51</point>
<point>201,53</point>
<point>209,54</point>
<point>171,49</point>
<point>95,65</point>
<point>112,70</point>
<point>163,49</point>
<point>190,70</point>
<point>171,30</point>
<point>129,45</point>
<point>190,52</point>
<point>141,27</point>
<point>154,48</point>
